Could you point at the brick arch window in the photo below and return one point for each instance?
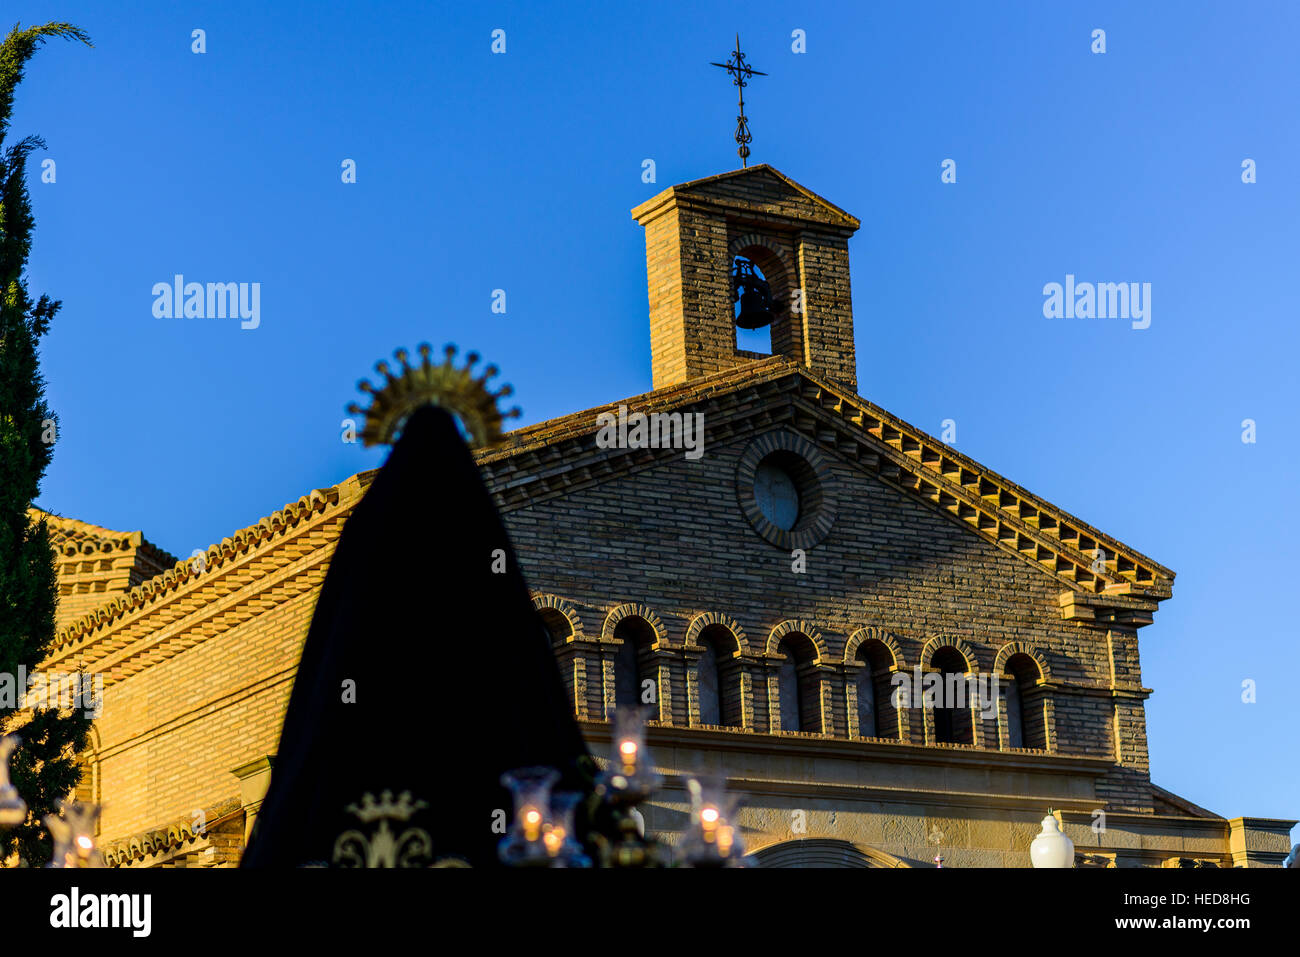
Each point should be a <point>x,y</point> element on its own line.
<point>774,260</point>
<point>799,684</point>
<point>754,341</point>
<point>877,716</point>
<point>1026,703</point>
<point>720,682</point>
<point>771,261</point>
<point>952,709</point>
<point>558,628</point>
<point>633,661</point>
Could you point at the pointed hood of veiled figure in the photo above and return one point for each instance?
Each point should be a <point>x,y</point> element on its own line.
<point>425,676</point>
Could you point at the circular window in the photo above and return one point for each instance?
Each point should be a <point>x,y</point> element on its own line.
<point>785,490</point>
<point>776,494</point>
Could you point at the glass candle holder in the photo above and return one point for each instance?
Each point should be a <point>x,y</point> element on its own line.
<point>631,776</point>
<point>712,838</point>
<point>13,809</point>
<point>560,838</point>
<point>73,831</point>
<point>530,789</point>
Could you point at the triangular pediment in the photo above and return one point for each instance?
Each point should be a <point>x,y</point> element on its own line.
<point>755,189</point>
<point>1102,577</point>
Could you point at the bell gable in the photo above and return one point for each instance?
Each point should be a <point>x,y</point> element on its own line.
<point>698,234</point>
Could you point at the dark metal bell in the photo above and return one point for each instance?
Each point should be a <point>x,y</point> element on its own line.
<point>755,310</point>
<point>753,294</point>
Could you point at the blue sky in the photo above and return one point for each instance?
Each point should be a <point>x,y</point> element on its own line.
<point>478,171</point>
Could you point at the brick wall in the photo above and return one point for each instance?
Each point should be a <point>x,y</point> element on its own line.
<point>171,735</point>
<point>674,538</point>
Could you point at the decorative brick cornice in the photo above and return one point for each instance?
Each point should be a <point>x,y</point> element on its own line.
<point>997,508</point>
<point>812,746</point>
<point>95,564</point>
<point>179,835</point>
<point>72,538</point>
<point>183,590</point>
<point>1107,610</point>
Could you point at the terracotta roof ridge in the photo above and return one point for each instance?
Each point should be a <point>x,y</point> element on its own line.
<point>75,523</point>
<point>73,536</point>
<point>180,831</point>
<point>184,571</point>
<point>759,370</point>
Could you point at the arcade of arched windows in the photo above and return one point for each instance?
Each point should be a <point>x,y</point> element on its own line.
<point>786,681</point>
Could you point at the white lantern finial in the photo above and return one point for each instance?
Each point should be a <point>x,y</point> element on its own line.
<point>1051,848</point>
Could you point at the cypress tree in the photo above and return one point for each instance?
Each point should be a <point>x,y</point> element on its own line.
<point>44,768</point>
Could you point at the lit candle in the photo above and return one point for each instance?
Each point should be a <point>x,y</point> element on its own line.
<point>725,839</point>
<point>531,791</point>
<point>532,819</point>
<point>709,822</point>
<point>627,750</point>
<point>554,840</point>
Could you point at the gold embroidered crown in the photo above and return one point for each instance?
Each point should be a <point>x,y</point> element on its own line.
<point>401,809</point>
<point>453,387</point>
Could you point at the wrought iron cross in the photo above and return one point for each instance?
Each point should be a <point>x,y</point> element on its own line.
<point>741,72</point>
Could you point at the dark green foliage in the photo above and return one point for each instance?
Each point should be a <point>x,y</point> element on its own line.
<point>44,769</point>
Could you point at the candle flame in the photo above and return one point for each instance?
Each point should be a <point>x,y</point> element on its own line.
<point>554,840</point>
<point>725,840</point>
<point>532,819</point>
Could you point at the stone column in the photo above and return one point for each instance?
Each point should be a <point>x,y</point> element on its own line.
<point>772,680</point>
<point>746,696</point>
<point>580,707</point>
<point>692,664</point>
<point>607,680</point>
<point>851,672</point>
<point>1004,717</point>
<point>825,700</point>
<point>663,709</point>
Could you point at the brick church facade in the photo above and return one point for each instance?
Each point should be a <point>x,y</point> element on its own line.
<point>771,637</point>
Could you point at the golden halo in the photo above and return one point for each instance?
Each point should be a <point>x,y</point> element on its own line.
<point>452,387</point>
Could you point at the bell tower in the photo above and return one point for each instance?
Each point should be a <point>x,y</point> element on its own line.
<point>696,232</point>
